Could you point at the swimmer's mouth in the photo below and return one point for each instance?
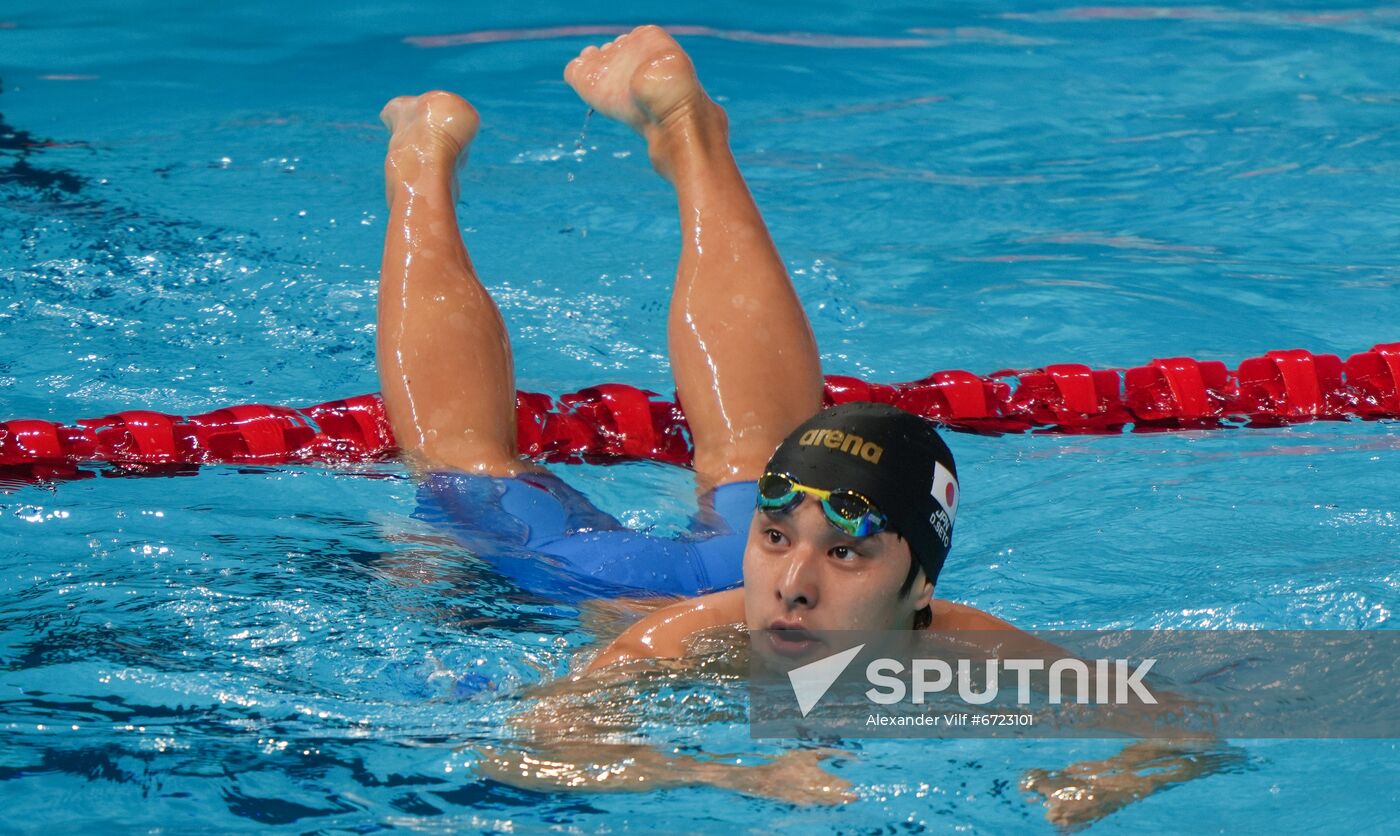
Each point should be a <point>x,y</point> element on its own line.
<point>791,639</point>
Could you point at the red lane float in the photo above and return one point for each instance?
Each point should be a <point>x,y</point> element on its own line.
<point>613,421</point>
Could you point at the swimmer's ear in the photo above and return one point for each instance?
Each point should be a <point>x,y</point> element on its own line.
<point>922,591</point>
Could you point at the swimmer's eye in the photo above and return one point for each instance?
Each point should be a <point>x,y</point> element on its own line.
<point>774,537</point>
<point>844,553</point>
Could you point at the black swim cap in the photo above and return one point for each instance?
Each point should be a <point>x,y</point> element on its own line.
<point>892,457</point>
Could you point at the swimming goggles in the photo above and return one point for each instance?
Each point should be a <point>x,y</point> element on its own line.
<point>847,510</point>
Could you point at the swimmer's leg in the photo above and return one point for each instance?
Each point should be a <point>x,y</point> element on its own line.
<point>744,357</point>
<point>444,357</point>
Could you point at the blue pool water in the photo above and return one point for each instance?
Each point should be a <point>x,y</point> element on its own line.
<point>191,215</point>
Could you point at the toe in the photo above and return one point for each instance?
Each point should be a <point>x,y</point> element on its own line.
<point>391,110</point>
<point>574,67</point>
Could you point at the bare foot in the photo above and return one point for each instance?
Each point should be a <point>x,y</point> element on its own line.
<point>428,133</point>
<point>644,79</point>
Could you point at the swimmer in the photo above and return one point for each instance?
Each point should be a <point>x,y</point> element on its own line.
<point>811,519</point>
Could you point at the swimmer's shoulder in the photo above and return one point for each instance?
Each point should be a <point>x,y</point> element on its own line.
<point>1009,642</point>
<point>663,633</point>
<point>948,615</point>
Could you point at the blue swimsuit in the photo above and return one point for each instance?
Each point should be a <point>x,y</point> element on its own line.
<point>549,539</point>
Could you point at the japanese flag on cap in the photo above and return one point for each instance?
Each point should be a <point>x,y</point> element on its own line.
<point>945,490</point>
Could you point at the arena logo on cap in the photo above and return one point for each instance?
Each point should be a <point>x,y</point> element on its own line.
<point>845,442</point>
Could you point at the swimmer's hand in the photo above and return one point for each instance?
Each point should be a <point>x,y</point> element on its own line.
<point>1085,792</point>
<point>794,777</point>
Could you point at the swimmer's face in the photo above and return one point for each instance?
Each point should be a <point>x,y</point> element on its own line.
<point>803,573</point>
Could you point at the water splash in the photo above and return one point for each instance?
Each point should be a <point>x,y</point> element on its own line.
<point>579,150</point>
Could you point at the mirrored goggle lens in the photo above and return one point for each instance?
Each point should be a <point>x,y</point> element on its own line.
<point>848,505</point>
<point>775,486</point>
<point>853,515</point>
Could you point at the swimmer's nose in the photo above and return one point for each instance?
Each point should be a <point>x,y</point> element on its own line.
<point>797,585</point>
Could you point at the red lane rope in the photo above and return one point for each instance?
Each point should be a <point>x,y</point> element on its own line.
<point>614,421</point>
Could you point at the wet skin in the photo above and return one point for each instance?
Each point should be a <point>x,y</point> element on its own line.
<point>445,363</point>
<point>747,371</point>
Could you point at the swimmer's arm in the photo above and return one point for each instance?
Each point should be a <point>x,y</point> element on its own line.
<point>795,776</point>
<point>663,634</point>
<point>569,736</point>
<point>659,636</point>
<point>1086,791</point>
<point>1089,790</point>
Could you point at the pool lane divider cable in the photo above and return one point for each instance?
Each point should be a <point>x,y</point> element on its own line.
<point>613,421</point>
